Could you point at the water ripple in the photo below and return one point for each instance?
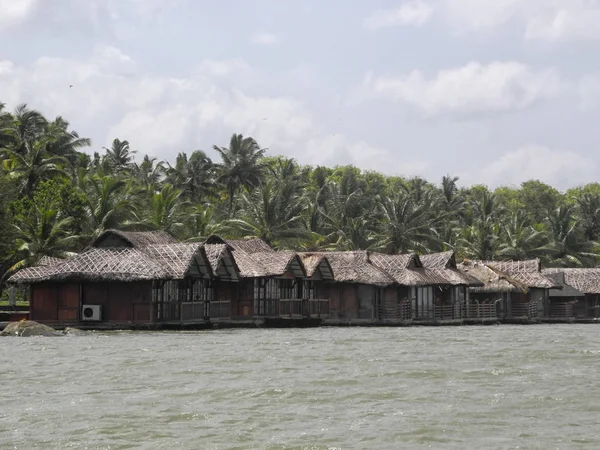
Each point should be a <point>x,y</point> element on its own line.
<point>331,388</point>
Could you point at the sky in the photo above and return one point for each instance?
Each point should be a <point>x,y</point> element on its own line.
<point>495,92</point>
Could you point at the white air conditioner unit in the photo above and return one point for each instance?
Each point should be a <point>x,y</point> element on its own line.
<point>91,312</point>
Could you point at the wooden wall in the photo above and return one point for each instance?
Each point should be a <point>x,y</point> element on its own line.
<point>121,302</point>
<point>54,302</point>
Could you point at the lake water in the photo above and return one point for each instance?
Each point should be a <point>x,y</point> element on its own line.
<point>495,387</point>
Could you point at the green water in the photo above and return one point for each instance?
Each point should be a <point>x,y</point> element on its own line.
<point>497,387</point>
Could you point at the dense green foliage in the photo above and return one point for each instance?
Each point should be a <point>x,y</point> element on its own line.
<point>54,198</point>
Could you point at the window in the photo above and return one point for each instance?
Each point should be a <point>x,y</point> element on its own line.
<point>288,289</point>
<point>265,288</point>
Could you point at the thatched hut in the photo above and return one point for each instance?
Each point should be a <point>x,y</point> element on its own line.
<point>518,289</point>
<point>272,283</point>
<point>455,291</point>
<point>130,278</point>
<point>580,294</point>
<point>423,286</point>
<point>358,286</point>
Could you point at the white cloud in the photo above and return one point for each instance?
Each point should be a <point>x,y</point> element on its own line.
<point>415,12</point>
<point>337,149</point>
<point>589,91</point>
<point>224,67</point>
<point>558,168</point>
<point>471,89</point>
<point>112,97</point>
<point>15,12</point>
<point>265,38</point>
<point>546,20</point>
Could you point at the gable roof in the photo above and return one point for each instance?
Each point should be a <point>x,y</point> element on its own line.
<point>444,263</point>
<point>402,269</point>
<point>222,261</point>
<point>586,281</point>
<point>355,267</point>
<point>507,276</point>
<point>97,264</point>
<point>317,262</point>
<point>49,261</point>
<point>493,280</point>
<point>134,239</point>
<point>250,246</point>
<point>441,260</point>
<point>181,260</point>
<point>526,272</point>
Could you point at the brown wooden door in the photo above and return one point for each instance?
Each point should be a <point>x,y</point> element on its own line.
<point>43,306</point>
<point>69,301</point>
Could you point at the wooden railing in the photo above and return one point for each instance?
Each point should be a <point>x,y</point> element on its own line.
<point>220,309</point>
<point>193,311</point>
<point>292,307</point>
<point>448,312</point>
<point>318,307</point>
<point>529,310</point>
<point>480,311</point>
<point>266,307</point>
<point>562,310</point>
<point>398,311</point>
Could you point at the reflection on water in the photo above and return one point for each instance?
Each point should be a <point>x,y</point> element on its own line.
<point>342,388</point>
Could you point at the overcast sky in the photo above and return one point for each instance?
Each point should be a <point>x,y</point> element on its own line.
<point>492,91</point>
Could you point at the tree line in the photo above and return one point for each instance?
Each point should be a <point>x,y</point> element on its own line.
<point>56,196</point>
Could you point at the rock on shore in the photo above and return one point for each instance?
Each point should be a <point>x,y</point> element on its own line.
<point>29,328</point>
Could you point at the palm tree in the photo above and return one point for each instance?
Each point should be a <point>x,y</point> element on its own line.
<point>272,212</point>
<point>65,143</point>
<point>109,205</point>
<point>240,165</point>
<point>149,173</point>
<point>567,244</point>
<point>168,212</point>
<point>408,224</point>
<point>589,212</point>
<point>481,233</point>
<point>203,223</point>
<point>119,156</point>
<point>193,176</point>
<point>44,232</point>
<point>26,127</point>
<point>519,240</point>
<point>29,168</point>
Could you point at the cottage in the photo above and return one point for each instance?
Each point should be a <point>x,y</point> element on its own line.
<point>579,297</point>
<point>134,278</point>
<point>423,286</point>
<point>358,287</point>
<point>516,289</point>
<point>454,294</point>
<point>273,284</point>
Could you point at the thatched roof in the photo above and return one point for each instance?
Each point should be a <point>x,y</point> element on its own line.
<point>181,260</point>
<point>222,262</point>
<point>442,260</point>
<point>406,270</point>
<point>250,246</point>
<point>355,267</point>
<point>526,272</point>
<point>49,261</point>
<point>586,281</point>
<point>317,263</point>
<point>98,264</point>
<point>134,239</point>
<point>521,279</point>
<point>271,264</point>
<point>444,263</point>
